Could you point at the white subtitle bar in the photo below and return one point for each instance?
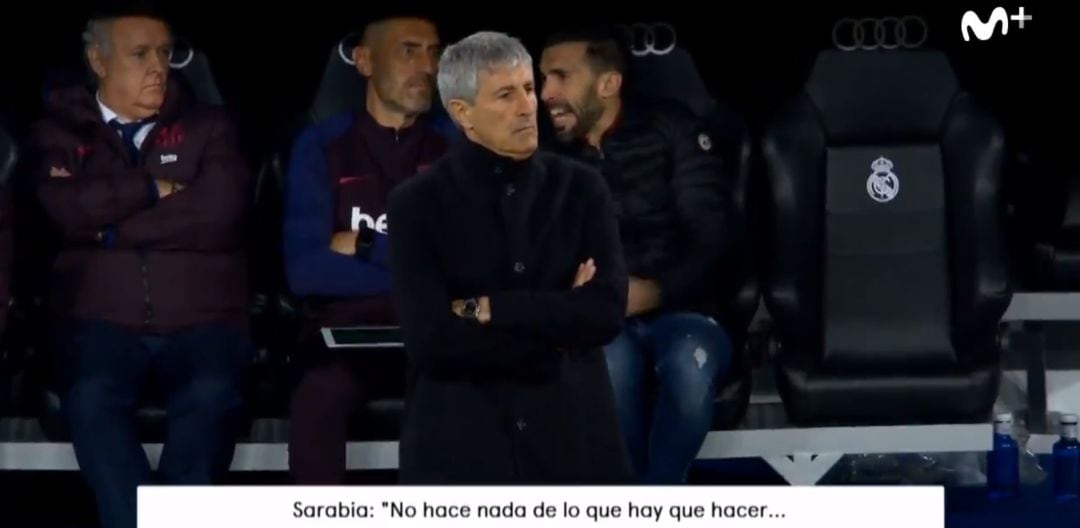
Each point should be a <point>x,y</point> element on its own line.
<point>533,506</point>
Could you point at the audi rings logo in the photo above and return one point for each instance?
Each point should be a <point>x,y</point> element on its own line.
<point>887,33</point>
<point>651,39</point>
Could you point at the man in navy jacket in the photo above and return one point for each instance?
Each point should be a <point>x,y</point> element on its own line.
<point>673,201</point>
<point>341,172</point>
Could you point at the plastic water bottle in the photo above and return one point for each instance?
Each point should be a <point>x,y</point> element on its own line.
<point>1067,461</point>
<point>1003,463</point>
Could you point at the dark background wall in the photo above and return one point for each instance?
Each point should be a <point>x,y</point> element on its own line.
<point>753,53</point>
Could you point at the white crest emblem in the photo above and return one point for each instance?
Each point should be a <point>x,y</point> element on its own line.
<point>704,141</point>
<point>882,185</point>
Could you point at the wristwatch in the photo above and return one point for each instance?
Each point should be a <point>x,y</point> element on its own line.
<point>471,310</point>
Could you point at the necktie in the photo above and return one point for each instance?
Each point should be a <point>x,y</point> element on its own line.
<point>128,131</point>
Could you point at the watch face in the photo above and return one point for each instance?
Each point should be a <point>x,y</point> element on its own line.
<point>471,308</point>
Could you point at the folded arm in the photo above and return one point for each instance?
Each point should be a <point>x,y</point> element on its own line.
<point>82,204</point>
<point>586,316</point>
<point>207,215</point>
<point>436,339</point>
<point>311,265</point>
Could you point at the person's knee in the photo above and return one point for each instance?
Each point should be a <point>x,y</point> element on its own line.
<point>692,362</point>
<point>696,344</point>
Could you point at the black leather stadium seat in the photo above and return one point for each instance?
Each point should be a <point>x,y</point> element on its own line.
<point>9,154</point>
<point>342,87</point>
<point>194,70</point>
<point>674,78</point>
<point>8,158</point>
<point>1048,213</point>
<point>887,277</point>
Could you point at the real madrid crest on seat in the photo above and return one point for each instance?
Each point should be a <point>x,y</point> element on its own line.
<point>887,300</point>
<point>882,185</point>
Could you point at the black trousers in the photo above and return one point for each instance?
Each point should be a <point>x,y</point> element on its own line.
<point>105,369</point>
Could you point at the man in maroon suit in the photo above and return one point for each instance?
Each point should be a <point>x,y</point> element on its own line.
<point>147,190</point>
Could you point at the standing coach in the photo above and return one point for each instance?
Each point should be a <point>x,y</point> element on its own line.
<point>508,276</point>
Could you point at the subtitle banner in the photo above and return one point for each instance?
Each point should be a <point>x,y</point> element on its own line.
<point>536,506</point>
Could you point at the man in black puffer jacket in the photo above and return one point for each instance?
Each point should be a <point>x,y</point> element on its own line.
<point>672,202</point>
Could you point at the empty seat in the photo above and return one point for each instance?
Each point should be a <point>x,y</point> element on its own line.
<point>1047,199</point>
<point>887,273</point>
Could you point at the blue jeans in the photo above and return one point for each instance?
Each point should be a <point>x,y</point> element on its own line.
<point>689,354</point>
<point>105,368</point>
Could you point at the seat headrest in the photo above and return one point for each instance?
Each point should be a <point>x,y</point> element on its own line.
<point>1071,218</point>
<point>671,77</point>
<point>194,70</point>
<point>881,96</point>
<point>341,87</point>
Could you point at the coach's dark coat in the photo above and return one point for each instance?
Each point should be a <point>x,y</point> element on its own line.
<point>526,399</point>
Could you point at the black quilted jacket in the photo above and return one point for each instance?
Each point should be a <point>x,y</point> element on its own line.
<point>672,198</point>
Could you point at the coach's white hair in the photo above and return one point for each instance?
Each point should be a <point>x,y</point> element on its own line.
<point>462,62</point>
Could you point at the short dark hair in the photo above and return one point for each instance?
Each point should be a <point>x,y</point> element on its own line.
<point>605,46</point>
<point>376,15</point>
<point>377,23</point>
